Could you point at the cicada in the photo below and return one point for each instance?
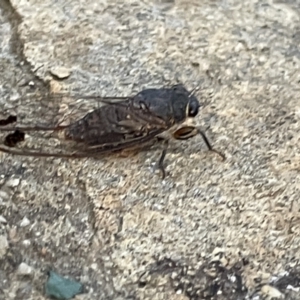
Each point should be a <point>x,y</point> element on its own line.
<point>121,123</point>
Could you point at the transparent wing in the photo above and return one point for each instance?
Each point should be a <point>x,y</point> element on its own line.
<point>51,126</point>
<point>51,109</point>
<point>79,152</point>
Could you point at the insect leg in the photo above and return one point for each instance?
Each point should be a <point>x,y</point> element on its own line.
<point>187,132</point>
<point>160,163</point>
<point>208,145</point>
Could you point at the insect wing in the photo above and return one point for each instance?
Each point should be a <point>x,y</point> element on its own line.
<point>111,132</point>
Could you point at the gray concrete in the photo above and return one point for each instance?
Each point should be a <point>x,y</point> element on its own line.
<point>245,57</point>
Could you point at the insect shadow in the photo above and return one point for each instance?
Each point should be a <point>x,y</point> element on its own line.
<point>121,123</point>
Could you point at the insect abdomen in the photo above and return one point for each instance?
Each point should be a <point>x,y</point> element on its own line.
<point>97,127</point>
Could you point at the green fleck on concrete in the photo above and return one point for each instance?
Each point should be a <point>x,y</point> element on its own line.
<point>62,288</point>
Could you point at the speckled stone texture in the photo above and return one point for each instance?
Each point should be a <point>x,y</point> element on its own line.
<point>108,222</point>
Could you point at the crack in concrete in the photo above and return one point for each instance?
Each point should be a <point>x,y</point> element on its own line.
<point>17,46</point>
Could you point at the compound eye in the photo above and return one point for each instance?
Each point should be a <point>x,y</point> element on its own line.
<point>193,109</point>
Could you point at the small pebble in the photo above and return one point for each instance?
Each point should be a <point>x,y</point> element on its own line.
<point>13,234</point>
<point>44,251</point>
<point>94,266</point>
<point>26,243</point>
<point>25,222</point>
<point>24,269</point>
<point>271,292</point>
<point>4,195</point>
<point>31,83</point>
<point>60,72</point>
<point>13,182</point>
<point>3,245</point>
<point>3,220</point>
<point>292,288</point>
<point>239,47</point>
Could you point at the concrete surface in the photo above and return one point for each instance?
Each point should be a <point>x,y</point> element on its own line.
<point>221,230</point>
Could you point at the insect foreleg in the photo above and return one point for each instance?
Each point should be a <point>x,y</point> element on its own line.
<point>187,132</point>
<point>160,163</point>
<point>208,145</point>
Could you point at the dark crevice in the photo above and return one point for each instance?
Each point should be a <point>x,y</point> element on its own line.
<point>16,48</point>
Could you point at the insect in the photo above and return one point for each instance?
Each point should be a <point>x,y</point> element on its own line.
<point>122,123</point>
